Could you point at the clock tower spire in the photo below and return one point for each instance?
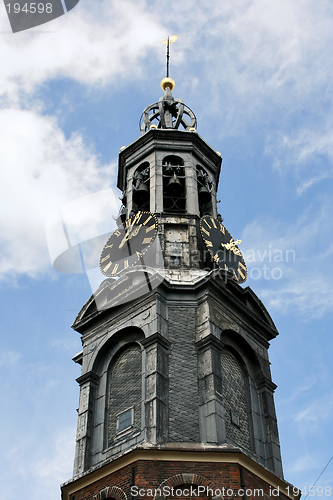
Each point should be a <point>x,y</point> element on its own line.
<point>176,395</point>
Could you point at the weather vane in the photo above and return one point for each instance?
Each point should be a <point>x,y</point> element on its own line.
<point>167,41</point>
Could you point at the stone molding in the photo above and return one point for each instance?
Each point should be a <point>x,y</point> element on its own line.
<point>265,383</point>
<point>156,338</point>
<point>208,341</point>
<point>88,377</point>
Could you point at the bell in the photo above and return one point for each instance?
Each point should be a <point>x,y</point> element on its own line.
<point>141,195</point>
<point>138,176</point>
<point>204,195</point>
<point>174,187</point>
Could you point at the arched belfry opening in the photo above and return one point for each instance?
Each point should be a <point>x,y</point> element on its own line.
<point>141,188</point>
<point>205,187</point>
<point>174,198</point>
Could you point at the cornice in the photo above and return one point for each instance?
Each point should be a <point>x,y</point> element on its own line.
<point>182,452</point>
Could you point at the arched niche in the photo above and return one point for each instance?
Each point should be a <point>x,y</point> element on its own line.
<point>141,188</point>
<point>235,399</point>
<point>174,184</point>
<point>204,187</point>
<point>124,394</point>
<point>244,370</point>
<point>104,435</point>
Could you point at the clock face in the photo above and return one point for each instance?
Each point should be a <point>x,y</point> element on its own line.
<point>128,243</point>
<point>223,248</point>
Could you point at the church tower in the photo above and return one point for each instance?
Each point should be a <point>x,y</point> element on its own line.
<point>176,395</point>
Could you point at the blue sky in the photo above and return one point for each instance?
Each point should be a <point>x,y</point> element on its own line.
<point>258,76</point>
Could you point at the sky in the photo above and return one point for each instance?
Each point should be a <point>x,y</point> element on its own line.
<point>258,76</point>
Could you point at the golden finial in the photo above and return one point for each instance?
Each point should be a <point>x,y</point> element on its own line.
<point>167,82</point>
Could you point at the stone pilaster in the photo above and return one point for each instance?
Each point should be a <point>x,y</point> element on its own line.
<point>211,412</point>
<point>272,445</point>
<point>88,383</point>
<point>156,388</point>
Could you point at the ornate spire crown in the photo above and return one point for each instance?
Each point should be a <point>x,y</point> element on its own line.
<point>168,112</point>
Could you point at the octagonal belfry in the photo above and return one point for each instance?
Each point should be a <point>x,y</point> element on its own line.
<point>175,390</point>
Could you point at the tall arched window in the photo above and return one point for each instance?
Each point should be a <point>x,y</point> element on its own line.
<point>125,393</point>
<point>234,400</point>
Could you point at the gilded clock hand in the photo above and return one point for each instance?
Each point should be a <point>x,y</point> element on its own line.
<point>129,229</point>
<point>232,246</point>
<point>129,235</point>
<point>129,225</point>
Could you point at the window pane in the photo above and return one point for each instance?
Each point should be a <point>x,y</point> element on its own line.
<point>125,420</point>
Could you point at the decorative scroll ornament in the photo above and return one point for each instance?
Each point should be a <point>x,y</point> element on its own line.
<point>167,113</point>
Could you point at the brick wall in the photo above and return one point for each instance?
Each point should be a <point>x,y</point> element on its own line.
<point>149,474</point>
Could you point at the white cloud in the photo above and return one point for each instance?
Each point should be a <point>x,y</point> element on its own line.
<point>41,170</point>
<point>306,462</point>
<point>300,255</point>
<point>93,44</point>
<point>311,297</point>
<point>315,413</point>
<point>39,464</point>
<point>51,470</point>
<point>308,384</point>
<point>9,358</point>
<point>268,69</point>
<point>305,154</point>
<point>258,52</point>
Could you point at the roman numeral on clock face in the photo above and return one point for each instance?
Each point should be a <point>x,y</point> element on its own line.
<point>114,270</point>
<point>146,221</point>
<point>208,243</point>
<point>105,258</point>
<point>107,266</point>
<point>222,228</point>
<point>205,231</point>
<point>240,273</point>
<point>146,241</point>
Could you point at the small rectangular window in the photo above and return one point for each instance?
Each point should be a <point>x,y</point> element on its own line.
<point>125,420</point>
